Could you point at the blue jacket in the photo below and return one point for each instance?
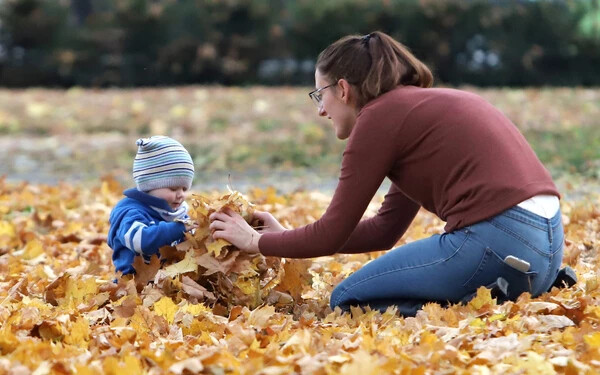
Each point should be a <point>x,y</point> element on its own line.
<point>141,224</point>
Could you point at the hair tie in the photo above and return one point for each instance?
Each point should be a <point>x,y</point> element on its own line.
<point>366,38</point>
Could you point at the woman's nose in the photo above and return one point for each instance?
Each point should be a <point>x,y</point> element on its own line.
<point>322,111</point>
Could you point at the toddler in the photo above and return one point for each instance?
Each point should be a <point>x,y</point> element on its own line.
<point>150,216</point>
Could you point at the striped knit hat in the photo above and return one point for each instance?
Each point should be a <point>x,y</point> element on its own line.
<point>162,162</point>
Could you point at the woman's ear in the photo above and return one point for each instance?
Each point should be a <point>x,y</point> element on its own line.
<point>347,92</point>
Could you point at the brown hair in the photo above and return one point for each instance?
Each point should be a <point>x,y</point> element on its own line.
<point>375,64</point>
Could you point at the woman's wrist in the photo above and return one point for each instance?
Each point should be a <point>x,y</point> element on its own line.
<point>254,244</point>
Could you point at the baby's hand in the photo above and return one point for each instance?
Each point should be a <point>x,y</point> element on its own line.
<point>189,224</point>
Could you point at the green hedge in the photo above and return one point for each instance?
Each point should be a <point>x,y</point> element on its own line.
<point>170,42</point>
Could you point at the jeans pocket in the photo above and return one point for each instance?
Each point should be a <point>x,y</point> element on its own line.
<point>493,266</point>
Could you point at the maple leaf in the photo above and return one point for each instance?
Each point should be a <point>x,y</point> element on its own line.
<point>244,265</point>
<point>144,272</point>
<point>211,264</point>
<point>483,298</point>
<point>56,289</point>
<point>79,333</point>
<point>276,297</point>
<point>33,249</point>
<point>295,277</point>
<point>188,264</point>
<point>246,291</point>
<point>126,306</point>
<point>79,290</point>
<point>259,317</point>
<point>170,254</point>
<point>216,246</point>
<point>166,308</point>
<point>7,234</point>
<point>194,289</point>
<point>50,330</point>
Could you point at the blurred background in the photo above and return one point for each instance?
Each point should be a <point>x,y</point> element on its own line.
<point>83,79</point>
<point>105,43</point>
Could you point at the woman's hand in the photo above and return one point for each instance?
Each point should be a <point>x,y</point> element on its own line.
<point>266,222</point>
<point>231,227</point>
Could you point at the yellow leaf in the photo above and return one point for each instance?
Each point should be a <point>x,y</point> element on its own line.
<point>132,365</point>
<point>593,310</point>
<point>8,341</point>
<point>111,366</point>
<point>496,317</point>
<point>166,308</point>
<point>591,284</point>
<point>33,249</point>
<point>7,232</point>
<point>188,264</point>
<point>484,297</point>
<point>300,341</point>
<point>51,330</point>
<point>362,363</point>
<point>79,334</point>
<point>84,370</point>
<point>592,340</point>
<point>215,247</point>
<point>78,290</point>
<point>138,322</point>
<point>196,309</point>
<point>247,286</point>
<point>72,228</point>
<point>36,302</point>
<point>295,277</point>
<point>534,364</point>
<point>259,317</point>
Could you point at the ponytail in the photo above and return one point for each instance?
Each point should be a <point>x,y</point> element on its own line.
<point>374,64</point>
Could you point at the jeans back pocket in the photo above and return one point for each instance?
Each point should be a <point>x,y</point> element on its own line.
<point>493,266</point>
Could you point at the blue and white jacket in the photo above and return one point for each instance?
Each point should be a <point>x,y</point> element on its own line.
<point>141,224</point>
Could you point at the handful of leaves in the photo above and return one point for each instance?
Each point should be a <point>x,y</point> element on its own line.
<point>216,272</point>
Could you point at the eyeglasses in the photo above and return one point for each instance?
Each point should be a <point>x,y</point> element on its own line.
<point>316,95</point>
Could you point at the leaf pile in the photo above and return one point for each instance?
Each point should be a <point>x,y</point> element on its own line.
<point>61,312</point>
<point>217,273</point>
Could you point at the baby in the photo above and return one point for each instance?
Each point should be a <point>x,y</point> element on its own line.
<point>150,216</point>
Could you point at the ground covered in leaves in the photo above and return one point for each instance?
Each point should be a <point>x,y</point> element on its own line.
<point>213,310</point>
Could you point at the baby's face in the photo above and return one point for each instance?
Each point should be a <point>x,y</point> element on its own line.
<point>173,195</point>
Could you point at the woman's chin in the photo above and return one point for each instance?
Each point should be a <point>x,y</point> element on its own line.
<point>341,136</point>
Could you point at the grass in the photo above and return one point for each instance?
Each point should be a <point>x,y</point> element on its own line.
<point>247,131</point>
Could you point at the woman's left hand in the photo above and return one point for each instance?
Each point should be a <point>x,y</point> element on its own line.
<point>230,226</point>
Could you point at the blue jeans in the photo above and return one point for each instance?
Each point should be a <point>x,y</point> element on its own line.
<point>445,268</point>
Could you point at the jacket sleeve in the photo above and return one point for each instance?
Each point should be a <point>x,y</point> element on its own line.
<point>382,231</point>
<point>139,234</point>
<point>370,154</point>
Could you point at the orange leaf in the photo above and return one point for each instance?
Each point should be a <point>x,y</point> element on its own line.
<point>145,272</point>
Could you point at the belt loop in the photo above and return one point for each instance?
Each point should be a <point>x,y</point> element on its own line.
<point>550,230</point>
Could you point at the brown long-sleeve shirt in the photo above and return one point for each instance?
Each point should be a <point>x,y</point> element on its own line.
<point>448,151</point>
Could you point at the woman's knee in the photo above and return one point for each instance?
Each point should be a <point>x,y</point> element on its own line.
<point>337,297</point>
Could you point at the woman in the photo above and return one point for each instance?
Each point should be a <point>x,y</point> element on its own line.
<point>445,150</point>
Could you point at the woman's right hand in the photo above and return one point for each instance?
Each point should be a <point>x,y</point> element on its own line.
<point>266,223</point>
